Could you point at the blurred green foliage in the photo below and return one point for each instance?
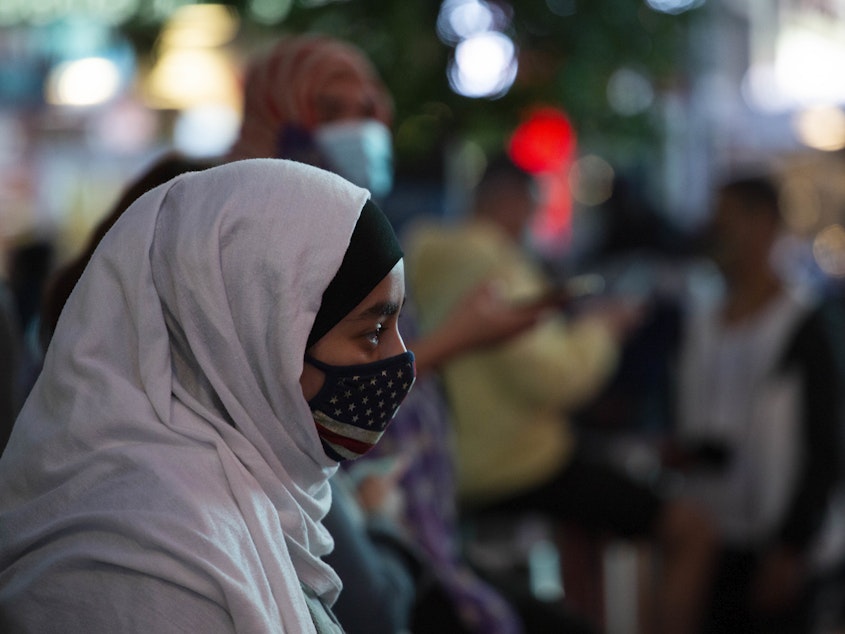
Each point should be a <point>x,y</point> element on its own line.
<point>568,51</point>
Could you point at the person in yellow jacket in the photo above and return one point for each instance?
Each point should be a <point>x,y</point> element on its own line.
<point>515,449</point>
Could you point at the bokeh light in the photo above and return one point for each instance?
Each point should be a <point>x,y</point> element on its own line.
<point>809,66</point>
<point>759,89</point>
<point>829,250</point>
<point>801,205</point>
<point>193,68</point>
<point>803,69</point>
<point>83,82</point>
<point>206,131</point>
<point>821,128</point>
<point>185,78</point>
<point>484,65</point>
<point>544,142</point>
<point>462,19</point>
<point>629,92</point>
<point>269,11</point>
<point>484,62</point>
<point>674,6</point>
<point>591,180</point>
<point>200,25</point>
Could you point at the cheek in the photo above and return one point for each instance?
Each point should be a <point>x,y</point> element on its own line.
<point>311,380</point>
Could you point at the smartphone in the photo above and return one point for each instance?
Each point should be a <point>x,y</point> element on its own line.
<point>575,288</point>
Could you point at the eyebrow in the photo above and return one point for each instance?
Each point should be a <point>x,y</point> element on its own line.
<point>380,309</point>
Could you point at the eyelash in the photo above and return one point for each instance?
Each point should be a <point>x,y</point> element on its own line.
<point>374,337</point>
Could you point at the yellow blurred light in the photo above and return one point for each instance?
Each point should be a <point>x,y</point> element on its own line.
<point>192,77</point>
<point>829,250</point>
<point>83,82</point>
<point>200,25</point>
<point>801,204</point>
<point>821,128</point>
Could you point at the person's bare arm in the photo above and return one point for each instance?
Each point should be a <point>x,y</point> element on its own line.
<point>483,317</point>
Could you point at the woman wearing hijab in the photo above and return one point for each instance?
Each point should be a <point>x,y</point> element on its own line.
<point>169,471</point>
<point>310,98</point>
<point>318,100</point>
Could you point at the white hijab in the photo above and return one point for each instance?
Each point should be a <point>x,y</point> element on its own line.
<point>168,436</point>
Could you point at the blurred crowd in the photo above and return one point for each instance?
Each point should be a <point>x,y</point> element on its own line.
<point>676,392</point>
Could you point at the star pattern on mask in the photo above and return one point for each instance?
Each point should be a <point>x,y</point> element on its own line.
<point>356,407</point>
<point>370,401</point>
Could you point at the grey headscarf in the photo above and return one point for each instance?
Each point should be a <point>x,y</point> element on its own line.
<point>166,468</point>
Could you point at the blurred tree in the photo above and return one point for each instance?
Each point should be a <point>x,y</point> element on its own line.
<point>568,52</point>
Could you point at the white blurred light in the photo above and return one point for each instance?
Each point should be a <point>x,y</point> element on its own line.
<point>674,6</point>
<point>461,19</point>
<point>822,128</point>
<point>806,71</point>
<point>760,89</point>
<point>808,67</point>
<point>206,131</point>
<point>83,82</point>
<point>484,66</point>
<point>629,92</point>
<point>269,11</point>
<point>591,180</point>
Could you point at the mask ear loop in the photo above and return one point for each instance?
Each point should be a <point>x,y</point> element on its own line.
<point>373,366</point>
<point>325,367</point>
<point>338,429</point>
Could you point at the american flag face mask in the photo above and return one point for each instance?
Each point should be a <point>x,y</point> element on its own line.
<point>356,402</point>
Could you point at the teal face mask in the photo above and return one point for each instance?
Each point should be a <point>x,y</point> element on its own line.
<point>360,151</point>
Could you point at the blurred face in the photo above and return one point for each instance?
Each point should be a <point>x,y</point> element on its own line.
<point>512,205</point>
<point>344,98</point>
<point>351,132</point>
<point>367,334</point>
<point>724,230</point>
<point>738,233</point>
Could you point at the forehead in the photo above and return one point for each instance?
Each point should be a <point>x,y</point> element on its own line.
<point>393,284</point>
<point>345,90</point>
<point>389,293</point>
<point>341,82</point>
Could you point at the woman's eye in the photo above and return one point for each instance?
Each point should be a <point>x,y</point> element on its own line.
<point>375,336</point>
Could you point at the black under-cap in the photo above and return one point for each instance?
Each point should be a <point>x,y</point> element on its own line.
<point>372,253</point>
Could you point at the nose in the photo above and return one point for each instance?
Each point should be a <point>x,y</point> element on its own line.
<point>396,345</point>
